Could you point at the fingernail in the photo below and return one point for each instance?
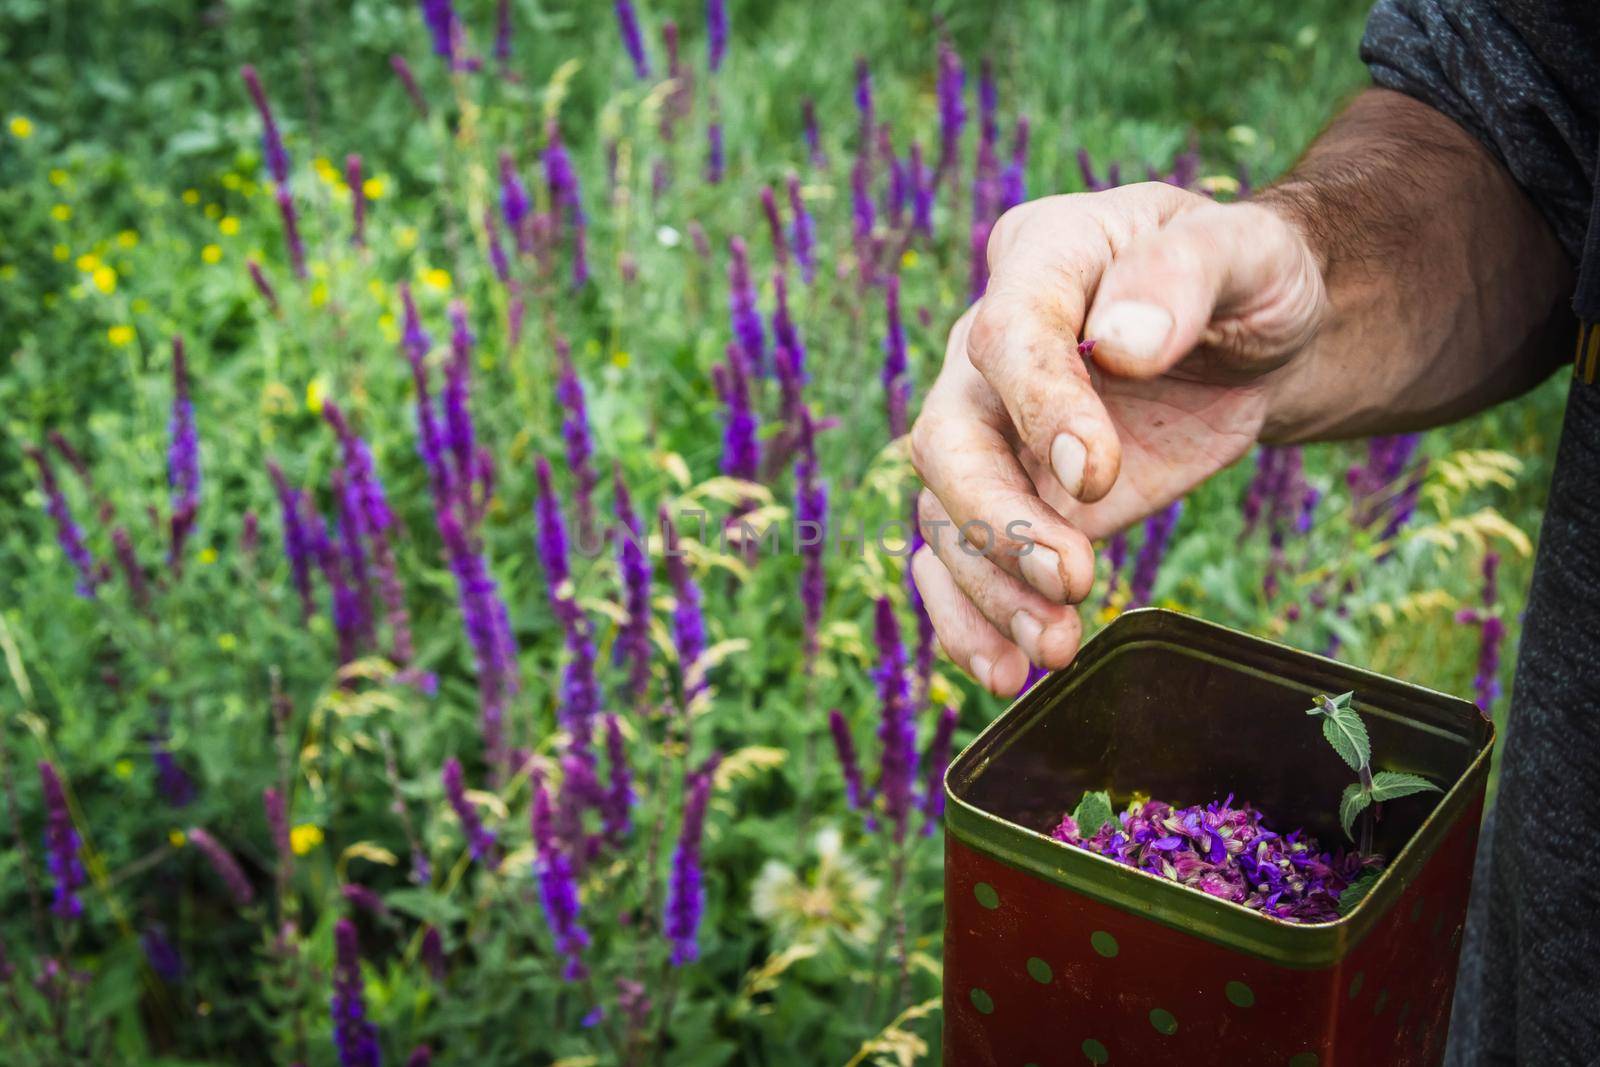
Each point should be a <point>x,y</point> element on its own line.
<point>1134,328</point>
<point>1026,631</point>
<point>982,668</point>
<point>1042,568</point>
<point>1067,457</point>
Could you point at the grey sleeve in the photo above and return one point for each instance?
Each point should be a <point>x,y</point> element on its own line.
<point>1515,75</point>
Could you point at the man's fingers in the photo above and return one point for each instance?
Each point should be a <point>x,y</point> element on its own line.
<point>1046,632</point>
<point>1023,341</point>
<point>1234,277</point>
<point>968,639</point>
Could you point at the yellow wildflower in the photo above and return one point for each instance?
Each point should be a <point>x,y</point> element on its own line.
<point>61,212</point>
<point>909,259</point>
<point>227,642</point>
<point>208,555</point>
<point>621,359</point>
<point>391,332</point>
<point>8,272</point>
<point>231,181</point>
<point>375,287</point>
<point>120,335</point>
<point>176,838</point>
<point>191,196</point>
<point>375,187</point>
<point>88,262</point>
<point>105,280</point>
<point>61,252</point>
<point>21,127</point>
<point>128,239</point>
<point>407,237</point>
<point>228,225</point>
<point>316,393</point>
<point>123,768</point>
<point>213,211</point>
<point>304,838</point>
<point>211,254</point>
<point>139,306</point>
<point>319,294</point>
<point>436,278</point>
<point>58,177</point>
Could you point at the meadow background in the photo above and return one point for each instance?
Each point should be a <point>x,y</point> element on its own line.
<point>336,862</point>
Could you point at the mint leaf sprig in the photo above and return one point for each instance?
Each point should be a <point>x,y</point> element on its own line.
<point>1346,734</point>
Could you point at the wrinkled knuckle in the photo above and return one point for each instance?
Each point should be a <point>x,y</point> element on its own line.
<point>1006,232</point>
<point>929,510</point>
<point>923,432</point>
<point>985,340</point>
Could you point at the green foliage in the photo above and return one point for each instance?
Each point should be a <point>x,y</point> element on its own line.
<point>1343,729</point>
<point>1093,812</point>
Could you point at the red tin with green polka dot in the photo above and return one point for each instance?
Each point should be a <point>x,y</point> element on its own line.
<point>1054,955</point>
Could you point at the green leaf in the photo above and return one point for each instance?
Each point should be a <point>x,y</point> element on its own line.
<point>1343,728</point>
<point>1093,812</point>
<point>1357,891</point>
<point>1355,801</point>
<point>1391,785</point>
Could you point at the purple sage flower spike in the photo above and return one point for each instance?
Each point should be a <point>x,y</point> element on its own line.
<point>408,81</point>
<point>480,841</point>
<point>896,378</point>
<point>633,563</point>
<point>358,200</point>
<point>69,535</point>
<point>632,39</point>
<point>924,656</point>
<point>813,136</point>
<point>276,807</point>
<point>617,810</point>
<point>811,530</point>
<point>61,846</point>
<point>716,33</point>
<point>686,884</point>
<point>264,287</point>
<point>688,624</point>
<point>183,458</point>
<point>742,312</point>
<point>845,746</point>
<point>502,33</point>
<point>951,93</point>
<point>162,954</point>
<point>277,160</point>
<point>1013,180</point>
<point>445,29</point>
<point>577,439</point>
<point>297,540</point>
<point>1157,534</point>
<point>432,954</point>
<point>226,867</point>
<point>715,161</point>
<point>922,192</point>
<point>896,730</point>
<point>354,1035</point>
<point>804,232</point>
<point>780,243</point>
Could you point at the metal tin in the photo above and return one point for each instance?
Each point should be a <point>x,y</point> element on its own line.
<point>1054,955</point>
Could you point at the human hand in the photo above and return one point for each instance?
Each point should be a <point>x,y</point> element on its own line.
<point>1196,310</point>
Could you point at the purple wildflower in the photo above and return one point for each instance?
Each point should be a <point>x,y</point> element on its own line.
<point>923,658</point>
<point>502,32</point>
<point>61,842</point>
<point>272,150</point>
<point>811,526</point>
<point>432,953</point>
<point>1157,532</point>
<point>716,33</point>
<point>363,899</point>
<point>686,887</point>
<point>1492,628</point>
<point>226,867</point>
<point>183,457</point>
<point>922,191</point>
<point>172,781</point>
<point>353,1033</point>
<point>896,383</point>
<point>161,954</point>
<point>988,100</point>
<point>480,841</point>
<point>862,217</point>
<point>421,1056</point>
<point>813,136</point>
<point>864,108</point>
<point>580,695</point>
<point>558,883</point>
<point>445,28</point>
<point>715,161</point>
<point>264,287</point>
<point>780,244</point>
<point>742,312</point>
<point>952,87</point>
<point>358,199</point>
<point>497,252</point>
<point>1013,180</point>
<point>740,451</point>
<point>408,80</point>
<point>68,533</point>
<point>688,624</point>
<point>844,745</point>
<point>633,563</point>
<point>276,807</point>
<point>896,730</point>
<point>632,39</point>
<point>488,631</point>
<point>132,569</point>
<point>934,762</point>
<point>297,545</point>
<point>804,232</point>
<point>515,206</point>
<point>617,808</point>
<point>575,435</point>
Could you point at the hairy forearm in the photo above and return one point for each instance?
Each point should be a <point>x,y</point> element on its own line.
<point>1447,289</point>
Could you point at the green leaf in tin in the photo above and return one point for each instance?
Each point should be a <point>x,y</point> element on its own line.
<point>1356,799</point>
<point>1093,812</point>
<point>1357,891</point>
<point>1391,785</point>
<point>1343,728</point>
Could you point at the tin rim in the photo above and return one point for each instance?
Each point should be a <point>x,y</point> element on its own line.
<point>1129,889</point>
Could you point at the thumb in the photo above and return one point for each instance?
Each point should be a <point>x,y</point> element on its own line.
<point>1236,278</point>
